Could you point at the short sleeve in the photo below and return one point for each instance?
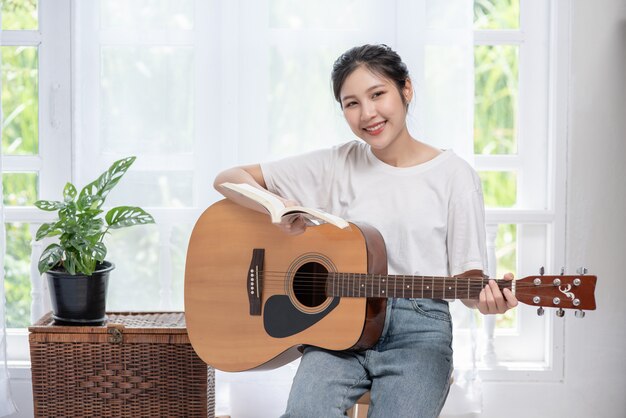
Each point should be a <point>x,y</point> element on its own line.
<point>466,239</point>
<point>304,178</point>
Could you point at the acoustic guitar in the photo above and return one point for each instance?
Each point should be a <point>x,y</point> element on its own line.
<point>254,295</point>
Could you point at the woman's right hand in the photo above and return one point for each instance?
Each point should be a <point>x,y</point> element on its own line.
<point>292,224</point>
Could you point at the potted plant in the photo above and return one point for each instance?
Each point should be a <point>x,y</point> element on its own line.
<point>75,266</point>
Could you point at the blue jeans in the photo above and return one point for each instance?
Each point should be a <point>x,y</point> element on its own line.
<point>407,371</point>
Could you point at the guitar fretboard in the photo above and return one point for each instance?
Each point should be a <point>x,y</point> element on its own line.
<point>400,286</point>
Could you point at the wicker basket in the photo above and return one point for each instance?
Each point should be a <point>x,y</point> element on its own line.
<point>135,365</point>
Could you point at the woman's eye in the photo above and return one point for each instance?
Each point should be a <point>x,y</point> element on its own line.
<point>350,104</point>
<point>378,93</point>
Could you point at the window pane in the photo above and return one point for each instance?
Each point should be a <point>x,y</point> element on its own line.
<point>496,14</point>
<point>20,189</point>
<point>346,15</point>
<point>147,100</point>
<point>20,105</point>
<point>19,14</point>
<point>506,259</point>
<point>324,124</point>
<point>155,188</point>
<point>506,256</point>
<point>181,233</point>
<point>134,283</point>
<point>499,188</point>
<point>496,99</point>
<point>17,275</point>
<point>147,14</point>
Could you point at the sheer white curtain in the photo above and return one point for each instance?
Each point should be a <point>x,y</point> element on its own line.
<point>6,404</point>
<point>192,87</point>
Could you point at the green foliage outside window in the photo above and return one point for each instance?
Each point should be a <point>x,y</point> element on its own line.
<point>496,98</point>
<point>17,275</point>
<point>20,102</point>
<point>19,14</point>
<point>496,14</point>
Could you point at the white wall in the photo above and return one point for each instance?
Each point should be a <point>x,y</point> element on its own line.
<point>594,383</point>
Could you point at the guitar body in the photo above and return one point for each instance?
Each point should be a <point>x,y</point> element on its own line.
<point>225,328</point>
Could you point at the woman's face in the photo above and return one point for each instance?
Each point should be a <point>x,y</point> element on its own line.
<point>374,109</point>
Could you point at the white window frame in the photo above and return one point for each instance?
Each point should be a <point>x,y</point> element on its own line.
<point>543,38</point>
<point>53,162</point>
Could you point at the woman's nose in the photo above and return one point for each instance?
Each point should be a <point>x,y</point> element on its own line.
<point>368,110</point>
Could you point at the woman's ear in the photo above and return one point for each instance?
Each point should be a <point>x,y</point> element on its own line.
<point>407,91</point>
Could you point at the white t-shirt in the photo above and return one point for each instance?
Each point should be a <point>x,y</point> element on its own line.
<point>431,215</point>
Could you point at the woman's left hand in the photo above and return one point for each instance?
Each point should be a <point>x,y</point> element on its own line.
<point>493,301</point>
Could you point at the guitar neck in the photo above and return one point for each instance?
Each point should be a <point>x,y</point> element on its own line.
<point>358,285</point>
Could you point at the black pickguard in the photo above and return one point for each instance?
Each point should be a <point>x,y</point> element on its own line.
<point>281,319</point>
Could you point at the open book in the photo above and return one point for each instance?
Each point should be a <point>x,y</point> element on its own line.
<point>278,210</point>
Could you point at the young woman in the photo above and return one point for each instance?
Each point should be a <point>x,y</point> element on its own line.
<point>428,206</point>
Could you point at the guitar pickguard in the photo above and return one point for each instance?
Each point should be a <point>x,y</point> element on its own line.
<point>282,319</point>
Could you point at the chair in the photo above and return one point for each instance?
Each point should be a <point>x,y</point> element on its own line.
<point>359,410</point>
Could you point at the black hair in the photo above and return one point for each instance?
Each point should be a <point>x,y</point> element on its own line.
<point>379,59</point>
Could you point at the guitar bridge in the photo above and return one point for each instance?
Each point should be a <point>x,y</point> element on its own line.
<point>254,281</point>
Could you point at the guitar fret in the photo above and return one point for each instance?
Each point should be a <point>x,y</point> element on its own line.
<point>403,286</point>
<point>432,284</point>
<point>364,284</point>
<point>386,287</point>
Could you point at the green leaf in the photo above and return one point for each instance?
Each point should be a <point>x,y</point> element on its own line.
<point>50,257</point>
<point>68,210</point>
<point>107,180</point>
<point>70,263</point>
<point>69,192</point>
<point>89,202</point>
<point>85,265</point>
<point>49,205</point>
<point>89,226</point>
<point>99,251</point>
<point>47,230</point>
<point>123,216</point>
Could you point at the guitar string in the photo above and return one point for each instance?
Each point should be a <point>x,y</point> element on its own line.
<point>391,277</point>
<point>371,278</point>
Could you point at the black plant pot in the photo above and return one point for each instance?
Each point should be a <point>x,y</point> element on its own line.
<point>79,299</point>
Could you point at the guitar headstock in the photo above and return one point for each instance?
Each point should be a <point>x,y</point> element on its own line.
<point>558,291</point>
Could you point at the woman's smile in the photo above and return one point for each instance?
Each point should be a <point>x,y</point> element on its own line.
<point>376,128</point>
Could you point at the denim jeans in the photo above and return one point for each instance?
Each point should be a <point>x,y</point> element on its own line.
<point>407,371</point>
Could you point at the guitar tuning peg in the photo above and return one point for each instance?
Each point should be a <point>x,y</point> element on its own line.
<point>560,313</point>
<point>542,271</point>
<point>540,311</point>
<point>582,270</point>
<point>579,313</point>
<point>562,271</point>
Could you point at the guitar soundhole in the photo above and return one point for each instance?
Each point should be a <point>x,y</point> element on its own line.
<point>309,284</point>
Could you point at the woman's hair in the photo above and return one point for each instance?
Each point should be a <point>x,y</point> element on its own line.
<point>379,59</point>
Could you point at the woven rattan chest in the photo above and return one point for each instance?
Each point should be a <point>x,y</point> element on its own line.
<point>135,365</point>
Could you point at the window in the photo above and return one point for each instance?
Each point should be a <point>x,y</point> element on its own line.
<point>513,153</point>
<point>173,85</point>
<point>36,145</point>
